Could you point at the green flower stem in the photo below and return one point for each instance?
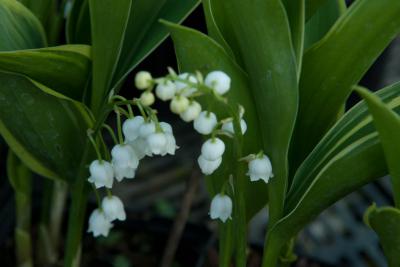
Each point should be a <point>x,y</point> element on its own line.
<point>272,250</point>
<point>78,201</point>
<point>119,127</point>
<point>239,199</point>
<point>111,132</point>
<point>225,244</point>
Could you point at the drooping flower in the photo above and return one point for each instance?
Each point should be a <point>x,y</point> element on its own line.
<point>101,173</point>
<point>260,168</point>
<point>99,224</point>
<point>131,128</point>
<point>113,208</point>
<point>165,90</point>
<point>179,104</point>
<point>192,112</point>
<point>182,87</point>
<point>171,143</point>
<point>228,126</point>
<point>221,207</point>
<point>143,80</point>
<point>219,81</point>
<point>212,149</point>
<point>207,167</point>
<point>124,161</point>
<point>157,143</point>
<point>205,122</point>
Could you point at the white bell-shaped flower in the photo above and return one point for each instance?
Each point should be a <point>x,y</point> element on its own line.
<point>192,112</point>
<point>141,147</point>
<point>182,87</point>
<point>207,167</point>
<point>165,90</point>
<point>260,168</point>
<point>101,174</point>
<point>171,145</point>
<point>228,126</point>
<point>113,208</point>
<point>143,80</point>
<point>147,98</point>
<point>219,81</point>
<point>131,127</point>
<point>99,224</point>
<point>124,161</point>
<point>221,207</point>
<point>167,128</point>
<point>157,142</point>
<point>205,122</point>
<point>179,104</point>
<point>146,129</point>
<point>213,149</point>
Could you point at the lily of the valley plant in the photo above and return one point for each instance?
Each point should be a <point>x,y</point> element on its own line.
<point>266,88</point>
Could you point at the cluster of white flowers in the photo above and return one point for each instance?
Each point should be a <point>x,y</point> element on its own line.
<point>145,136</point>
<point>141,137</point>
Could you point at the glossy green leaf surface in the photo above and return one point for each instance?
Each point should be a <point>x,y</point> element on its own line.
<point>321,22</point>
<point>196,51</point>
<point>336,63</point>
<point>20,178</point>
<point>349,156</point>
<point>387,123</point>
<point>65,69</point>
<point>386,223</point>
<point>108,25</point>
<point>296,15</point>
<point>78,23</point>
<point>145,32</point>
<point>263,35</point>
<point>44,129</point>
<point>312,7</point>
<point>19,28</point>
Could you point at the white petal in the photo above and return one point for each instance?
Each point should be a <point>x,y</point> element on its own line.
<point>205,122</point>
<point>219,81</point>
<point>208,166</point>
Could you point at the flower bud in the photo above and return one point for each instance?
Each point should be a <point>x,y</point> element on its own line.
<point>260,168</point>
<point>147,98</point>
<point>165,90</point>
<point>182,87</point>
<point>179,104</point>
<point>99,224</point>
<point>143,80</point>
<point>228,127</point>
<point>213,149</point>
<point>192,112</point>
<point>113,208</point>
<point>205,122</point>
<point>207,167</point>
<point>101,174</point>
<point>219,81</point>
<point>131,128</point>
<point>221,207</point>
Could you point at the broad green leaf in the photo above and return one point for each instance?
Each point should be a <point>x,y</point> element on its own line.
<point>46,130</point>
<point>40,8</point>
<point>221,29</point>
<point>212,27</point>
<point>387,123</point>
<point>65,69</point>
<point>78,23</point>
<point>19,28</point>
<point>296,12</point>
<point>196,51</point>
<point>336,63</point>
<point>321,22</point>
<point>349,156</point>
<point>263,35</point>
<point>386,223</point>
<point>108,20</point>
<point>144,32</point>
